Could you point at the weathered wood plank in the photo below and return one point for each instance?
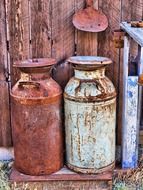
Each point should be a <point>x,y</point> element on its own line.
<point>135,33</point>
<point>130,128</point>
<point>63,174</point>
<point>41,28</point>
<point>19,32</point>
<point>130,112</point>
<point>112,10</point>
<point>86,42</point>
<point>5,129</point>
<point>63,35</point>
<point>131,10</point>
<point>64,185</point>
<point>3,45</point>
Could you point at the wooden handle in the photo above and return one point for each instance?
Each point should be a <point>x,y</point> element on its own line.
<point>29,83</point>
<point>89,3</point>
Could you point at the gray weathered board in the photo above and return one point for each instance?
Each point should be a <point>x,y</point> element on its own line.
<point>135,33</point>
<point>131,99</point>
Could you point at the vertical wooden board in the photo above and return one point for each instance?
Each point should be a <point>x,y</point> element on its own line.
<point>41,23</point>
<point>112,10</point>
<point>19,32</point>
<point>131,10</point>
<point>5,130</point>
<point>3,47</point>
<point>86,42</point>
<point>62,29</point>
<point>130,129</point>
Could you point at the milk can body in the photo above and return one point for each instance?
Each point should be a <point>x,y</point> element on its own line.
<point>36,119</point>
<point>90,116</point>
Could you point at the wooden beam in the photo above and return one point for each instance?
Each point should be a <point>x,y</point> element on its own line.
<point>64,185</point>
<point>130,109</point>
<point>64,174</point>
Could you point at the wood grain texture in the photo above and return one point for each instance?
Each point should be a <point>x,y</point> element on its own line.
<point>130,124</point>
<point>19,32</point>
<point>131,10</point>
<point>64,174</point>
<point>135,33</point>
<point>64,185</point>
<point>41,28</point>
<point>63,35</point>
<point>3,45</point>
<point>105,39</point>
<point>86,42</point>
<point>112,9</point>
<point>5,130</point>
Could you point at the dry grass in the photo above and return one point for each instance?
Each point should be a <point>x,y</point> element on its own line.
<point>5,168</point>
<point>133,180</point>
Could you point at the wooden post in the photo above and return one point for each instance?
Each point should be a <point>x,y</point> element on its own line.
<point>5,130</point>
<point>130,109</point>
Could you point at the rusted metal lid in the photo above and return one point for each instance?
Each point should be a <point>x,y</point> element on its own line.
<point>90,60</point>
<point>35,63</point>
<point>90,20</point>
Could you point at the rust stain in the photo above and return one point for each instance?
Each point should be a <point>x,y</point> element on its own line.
<point>79,150</point>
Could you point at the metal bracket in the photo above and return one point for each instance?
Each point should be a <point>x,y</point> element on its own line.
<point>118,38</point>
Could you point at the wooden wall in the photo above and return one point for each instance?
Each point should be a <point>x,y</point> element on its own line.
<point>43,28</point>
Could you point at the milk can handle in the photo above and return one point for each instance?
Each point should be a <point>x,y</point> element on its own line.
<point>27,83</point>
<point>94,82</point>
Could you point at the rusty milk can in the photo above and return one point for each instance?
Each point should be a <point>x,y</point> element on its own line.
<point>36,119</point>
<point>90,116</point>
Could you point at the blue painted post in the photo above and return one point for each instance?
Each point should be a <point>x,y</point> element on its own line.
<point>130,128</point>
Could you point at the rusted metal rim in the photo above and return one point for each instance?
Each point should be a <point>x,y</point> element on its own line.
<point>140,80</point>
<point>92,170</point>
<point>91,99</point>
<point>89,61</point>
<point>35,63</point>
<point>37,101</point>
<point>90,20</point>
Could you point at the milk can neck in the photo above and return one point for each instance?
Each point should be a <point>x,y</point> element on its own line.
<point>35,76</point>
<point>96,73</point>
